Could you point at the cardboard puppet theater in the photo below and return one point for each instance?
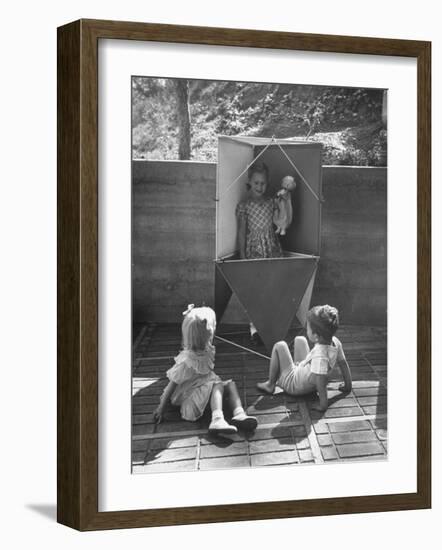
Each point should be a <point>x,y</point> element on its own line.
<point>272,291</point>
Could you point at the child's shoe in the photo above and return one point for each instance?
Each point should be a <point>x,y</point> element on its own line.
<point>220,426</point>
<point>266,387</point>
<point>245,422</point>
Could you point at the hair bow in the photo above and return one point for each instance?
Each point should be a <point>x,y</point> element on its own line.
<point>189,309</point>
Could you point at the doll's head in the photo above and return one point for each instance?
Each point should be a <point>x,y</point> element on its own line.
<point>258,179</point>
<point>288,183</point>
<point>198,327</point>
<point>322,323</point>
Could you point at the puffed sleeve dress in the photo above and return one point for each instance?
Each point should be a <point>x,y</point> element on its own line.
<point>194,374</point>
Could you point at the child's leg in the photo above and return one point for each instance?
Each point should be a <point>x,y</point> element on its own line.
<point>239,416</point>
<point>300,349</point>
<point>218,424</point>
<point>279,361</point>
<point>216,398</point>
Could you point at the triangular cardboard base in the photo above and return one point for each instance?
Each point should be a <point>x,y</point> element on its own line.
<point>304,306</point>
<point>270,291</point>
<point>223,293</point>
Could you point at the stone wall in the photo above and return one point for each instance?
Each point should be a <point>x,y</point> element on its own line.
<point>173,243</point>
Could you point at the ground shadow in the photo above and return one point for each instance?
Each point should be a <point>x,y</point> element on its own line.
<point>176,439</point>
<point>150,439</point>
<point>48,511</point>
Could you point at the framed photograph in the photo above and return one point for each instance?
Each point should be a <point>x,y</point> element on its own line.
<point>243,275</point>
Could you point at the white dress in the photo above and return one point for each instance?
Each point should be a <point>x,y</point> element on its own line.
<point>194,375</point>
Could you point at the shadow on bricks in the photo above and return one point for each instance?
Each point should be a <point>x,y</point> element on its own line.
<point>174,438</point>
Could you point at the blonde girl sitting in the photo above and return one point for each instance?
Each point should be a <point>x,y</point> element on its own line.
<point>193,382</point>
<point>309,370</point>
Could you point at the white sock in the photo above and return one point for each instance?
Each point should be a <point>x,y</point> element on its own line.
<point>239,411</point>
<point>217,413</point>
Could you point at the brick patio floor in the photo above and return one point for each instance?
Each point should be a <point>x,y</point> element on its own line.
<point>289,431</point>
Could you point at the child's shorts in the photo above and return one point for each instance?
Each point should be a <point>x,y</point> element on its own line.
<point>295,380</point>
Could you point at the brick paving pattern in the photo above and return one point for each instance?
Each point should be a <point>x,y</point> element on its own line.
<point>290,430</point>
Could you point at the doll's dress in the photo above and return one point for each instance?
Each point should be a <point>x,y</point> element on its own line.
<point>261,240</point>
<point>193,372</point>
<point>283,214</point>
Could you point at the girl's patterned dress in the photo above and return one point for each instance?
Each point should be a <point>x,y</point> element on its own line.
<point>261,240</point>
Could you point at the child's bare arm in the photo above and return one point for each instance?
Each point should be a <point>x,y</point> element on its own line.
<point>242,236</point>
<point>168,391</point>
<point>346,375</point>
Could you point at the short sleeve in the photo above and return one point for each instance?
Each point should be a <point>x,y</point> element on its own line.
<point>341,355</point>
<point>241,210</point>
<point>319,365</point>
<point>180,373</point>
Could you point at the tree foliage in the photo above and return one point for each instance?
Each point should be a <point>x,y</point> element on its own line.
<point>347,120</point>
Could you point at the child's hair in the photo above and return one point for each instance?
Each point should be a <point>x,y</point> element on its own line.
<point>258,168</point>
<point>198,327</point>
<point>324,321</point>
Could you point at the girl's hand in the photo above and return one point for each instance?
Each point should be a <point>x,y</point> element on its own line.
<point>158,414</point>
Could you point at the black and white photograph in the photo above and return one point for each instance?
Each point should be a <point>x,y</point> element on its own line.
<point>259,274</point>
<point>220,278</point>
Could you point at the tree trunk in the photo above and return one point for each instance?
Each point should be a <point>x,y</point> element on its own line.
<point>183,116</point>
<point>384,108</point>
